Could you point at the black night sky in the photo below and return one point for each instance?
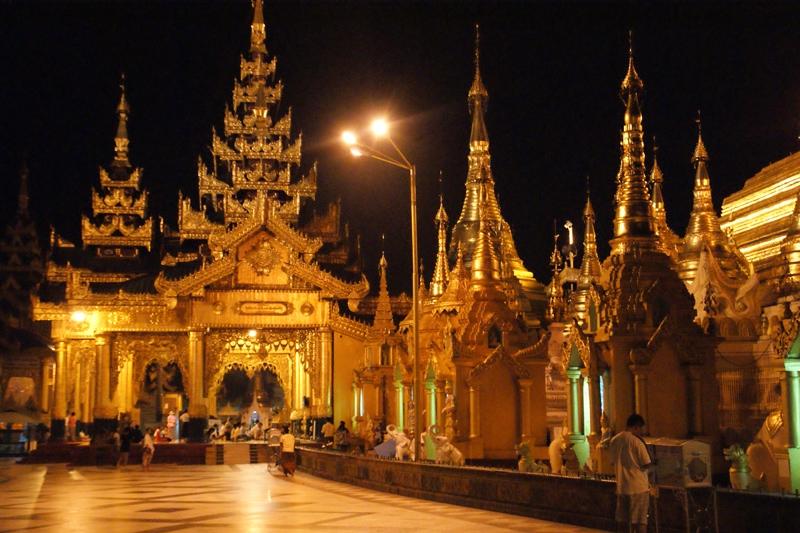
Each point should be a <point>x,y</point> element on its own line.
<point>552,70</point>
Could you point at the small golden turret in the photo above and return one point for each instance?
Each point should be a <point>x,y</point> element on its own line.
<point>633,222</point>
<point>704,228</point>
<point>670,243</point>
<point>590,264</point>
<point>555,292</point>
<point>121,140</point>
<point>790,250</point>
<point>384,321</point>
<point>440,272</point>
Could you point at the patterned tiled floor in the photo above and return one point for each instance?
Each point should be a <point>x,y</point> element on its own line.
<point>241,498</point>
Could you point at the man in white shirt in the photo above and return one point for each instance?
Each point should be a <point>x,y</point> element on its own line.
<point>631,462</point>
<point>287,452</point>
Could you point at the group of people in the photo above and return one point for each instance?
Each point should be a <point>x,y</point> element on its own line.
<point>122,439</point>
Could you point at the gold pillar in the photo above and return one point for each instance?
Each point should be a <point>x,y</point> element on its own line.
<point>401,408</point>
<point>86,414</point>
<point>408,423</point>
<point>594,403</point>
<point>60,400</point>
<point>103,408</point>
<point>474,411</point>
<point>525,386</point>
<point>640,389</point>
<point>695,400</point>
<point>326,371</point>
<point>76,391</point>
<point>197,400</point>
<point>44,391</point>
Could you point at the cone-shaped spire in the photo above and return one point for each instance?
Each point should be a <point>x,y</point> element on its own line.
<point>704,228</point>
<point>478,97</point>
<point>121,139</point>
<point>590,263</point>
<point>383,311</point>
<point>440,273</point>
<point>258,30</point>
<point>632,220</point>
<point>485,265</point>
<point>23,198</point>
<point>479,178</point>
<point>669,242</point>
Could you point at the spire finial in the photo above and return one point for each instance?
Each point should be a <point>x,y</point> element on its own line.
<point>23,198</point>
<point>477,48</point>
<point>121,139</point>
<point>631,82</point>
<point>700,152</point>
<point>258,31</point>
<point>478,90</point>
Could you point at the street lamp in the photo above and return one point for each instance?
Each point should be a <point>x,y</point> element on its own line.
<point>380,130</point>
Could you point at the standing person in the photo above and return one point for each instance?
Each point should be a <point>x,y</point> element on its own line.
<point>172,421</point>
<point>631,462</point>
<point>340,437</point>
<point>184,425</point>
<point>148,449</point>
<point>72,424</point>
<point>125,438</point>
<point>287,452</point>
<point>328,429</point>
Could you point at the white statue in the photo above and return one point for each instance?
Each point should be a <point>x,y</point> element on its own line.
<point>446,453</point>
<point>403,447</point>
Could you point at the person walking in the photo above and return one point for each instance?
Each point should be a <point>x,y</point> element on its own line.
<point>125,437</point>
<point>148,449</point>
<point>631,462</point>
<point>287,452</point>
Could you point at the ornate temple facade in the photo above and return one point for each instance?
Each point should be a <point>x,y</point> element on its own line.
<point>252,287</point>
<point>253,302</point>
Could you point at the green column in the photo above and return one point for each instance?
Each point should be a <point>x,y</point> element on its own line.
<point>792,367</point>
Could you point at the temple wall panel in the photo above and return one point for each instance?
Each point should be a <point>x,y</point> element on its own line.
<point>347,354</point>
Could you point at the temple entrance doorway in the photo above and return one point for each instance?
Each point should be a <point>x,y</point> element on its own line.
<point>253,396</point>
<point>162,391</point>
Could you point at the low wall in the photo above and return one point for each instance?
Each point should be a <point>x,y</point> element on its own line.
<point>84,455</point>
<point>584,502</point>
<point>578,501</point>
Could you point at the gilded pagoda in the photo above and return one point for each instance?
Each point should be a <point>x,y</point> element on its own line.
<point>253,286</point>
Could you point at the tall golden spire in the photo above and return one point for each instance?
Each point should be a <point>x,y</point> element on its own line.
<point>383,321</point>
<point>440,272</point>
<point>121,139</point>
<point>704,228</point>
<point>478,97</point>
<point>633,222</point>
<point>591,270</point>
<point>670,243</point>
<point>258,30</point>
<point>485,264</point>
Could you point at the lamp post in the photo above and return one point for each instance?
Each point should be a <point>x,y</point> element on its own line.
<point>380,129</point>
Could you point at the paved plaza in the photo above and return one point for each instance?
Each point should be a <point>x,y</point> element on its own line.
<point>222,498</point>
